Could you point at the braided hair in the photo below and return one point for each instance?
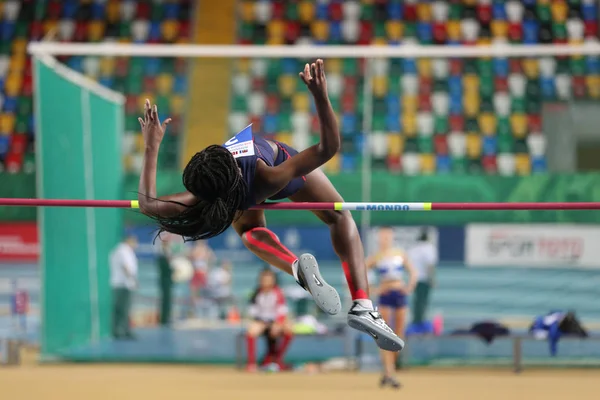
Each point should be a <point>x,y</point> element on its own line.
<point>213,177</point>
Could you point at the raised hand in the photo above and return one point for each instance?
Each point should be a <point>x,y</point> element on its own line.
<point>152,130</point>
<point>314,78</point>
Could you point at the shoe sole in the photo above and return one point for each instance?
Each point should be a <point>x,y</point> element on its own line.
<point>326,297</point>
<point>384,339</point>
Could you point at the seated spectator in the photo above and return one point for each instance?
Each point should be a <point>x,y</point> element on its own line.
<point>269,311</point>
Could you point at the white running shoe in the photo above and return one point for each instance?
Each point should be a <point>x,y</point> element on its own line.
<point>370,321</point>
<point>306,272</point>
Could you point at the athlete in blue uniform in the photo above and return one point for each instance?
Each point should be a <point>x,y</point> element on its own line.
<point>391,264</point>
<point>223,182</point>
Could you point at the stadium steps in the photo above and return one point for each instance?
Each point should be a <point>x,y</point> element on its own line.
<point>210,79</point>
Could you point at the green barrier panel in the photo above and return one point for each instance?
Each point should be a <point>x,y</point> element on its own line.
<point>438,188</point>
<point>78,150</point>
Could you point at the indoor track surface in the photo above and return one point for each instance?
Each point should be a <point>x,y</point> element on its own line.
<point>179,382</point>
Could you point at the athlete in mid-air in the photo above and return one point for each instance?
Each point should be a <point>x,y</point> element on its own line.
<point>223,182</point>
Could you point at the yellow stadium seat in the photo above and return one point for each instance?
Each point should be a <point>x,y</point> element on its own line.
<point>7,122</point>
<point>17,63</point>
<point>50,26</point>
<point>276,29</point>
<point>139,143</point>
<point>484,41</point>
<point>473,145</point>
<point>380,86</point>
<point>170,29</point>
<point>177,104</point>
<point>453,29</point>
<point>559,11</point>
<point>113,11</point>
<point>531,68</point>
<point>424,67</point>
<point>96,30</point>
<point>301,102</point>
<point>395,144</point>
<point>427,163</point>
<point>242,65</point>
<point>164,83</point>
<point>499,28</point>
<point>394,30</point>
<point>410,103</point>
<point>246,10</point>
<point>518,123</point>
<point>127,162</point>
<point>409,124</point>
<point>522,164</point>
<point>284,137</point>
<point>487,123</point>
<point>593,85</point>
<point>142,100</point>
<point>575,41</point>
<point>379,42</point>
<point>471,103</point>
<point>276,41</point>
<point>287,85</point>
<point>107,66</point>
<point>334,65</point>
<point>19,46</point>
<point>471,83</point>
<point>470,3</point>
<point>13,83</point>
<point>424,11</point>
<point>306,11</point>
<point>183,40</point>
<point>333,166</point>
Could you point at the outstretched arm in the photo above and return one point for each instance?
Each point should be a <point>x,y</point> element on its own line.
<point>165,206</point>
<point>313,157</point>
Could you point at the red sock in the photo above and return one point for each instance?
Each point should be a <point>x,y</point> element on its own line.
<point>357,294</point>
<point>251,347</point>
<point>285,343</point>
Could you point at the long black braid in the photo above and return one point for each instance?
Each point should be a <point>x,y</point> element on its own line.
<point>213,177</point>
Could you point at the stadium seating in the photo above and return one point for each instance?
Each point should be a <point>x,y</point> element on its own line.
<point>91,21</point>
<point>429,115</point>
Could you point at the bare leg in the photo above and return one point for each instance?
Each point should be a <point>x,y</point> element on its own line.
<point>251,226</point>
<point>266,245</point>
<point>400,324</point>
<point>388,358</point>
<point>348,246</point>
<point>344,233</point>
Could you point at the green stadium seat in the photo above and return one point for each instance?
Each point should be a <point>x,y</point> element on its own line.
<point>517,104</point>
<point>425,144</point>
<point>505,143</point>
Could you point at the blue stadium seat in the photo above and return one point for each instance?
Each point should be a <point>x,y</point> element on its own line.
<point>270,124</point>
<point>538,165</point>
<point>443,163</point>
<point>501,67</point>
<point>489,146</point>
<point>348,162</point>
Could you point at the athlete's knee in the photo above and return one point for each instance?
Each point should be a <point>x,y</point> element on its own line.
<point>257,235</point>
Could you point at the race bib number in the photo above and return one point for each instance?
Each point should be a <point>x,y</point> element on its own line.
<point>242,144</point>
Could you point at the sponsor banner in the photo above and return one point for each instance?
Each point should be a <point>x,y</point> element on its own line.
<point>19,242</point>
<point>315,240</point>
<point>543,245</point>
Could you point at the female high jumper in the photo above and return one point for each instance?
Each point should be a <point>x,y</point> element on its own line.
<point>223,182</point>
<point>391,263</point>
